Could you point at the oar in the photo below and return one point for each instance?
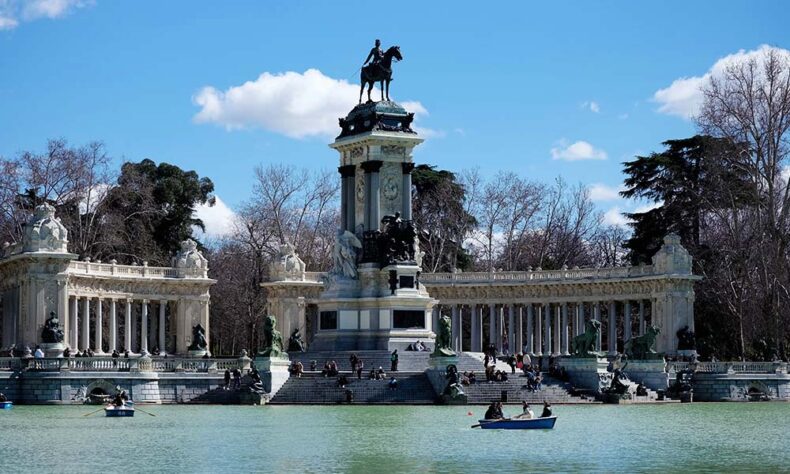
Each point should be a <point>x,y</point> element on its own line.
<point>91,413</point>
<point>147,413</point>
<point>489,422</point>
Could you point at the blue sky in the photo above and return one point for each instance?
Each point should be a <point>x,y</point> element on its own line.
<point>542,89</point>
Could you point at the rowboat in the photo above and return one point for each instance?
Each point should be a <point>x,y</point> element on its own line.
<point>113,411</point>
<point>519,423</point>
<point>6,405</point>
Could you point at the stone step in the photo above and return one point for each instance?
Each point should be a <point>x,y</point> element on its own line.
<point>312,388</point>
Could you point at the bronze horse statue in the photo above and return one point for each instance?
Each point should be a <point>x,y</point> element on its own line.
<point>379,72</point>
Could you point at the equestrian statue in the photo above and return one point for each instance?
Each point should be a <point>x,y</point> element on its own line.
<point>379,70</point>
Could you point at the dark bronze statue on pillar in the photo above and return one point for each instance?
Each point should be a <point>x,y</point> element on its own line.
<point>379,70</point>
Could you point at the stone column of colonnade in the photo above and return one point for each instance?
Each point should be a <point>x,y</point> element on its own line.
<point>549,326</point>
<point>78,336</point>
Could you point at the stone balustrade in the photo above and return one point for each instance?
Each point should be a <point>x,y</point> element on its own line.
<point>133,271</point>
<point>731,367</point>
<point>538,275</point>
<point>135,364</point>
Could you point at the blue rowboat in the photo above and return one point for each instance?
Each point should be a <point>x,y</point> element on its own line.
<point>519,424</point>
<point>6,405</point>
<point>113,411</point>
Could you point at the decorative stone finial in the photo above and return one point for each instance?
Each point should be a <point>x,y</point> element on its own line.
<point>190,257</point>
<point>287,266</point>
<point>44,232</point>
<point>672,257</point>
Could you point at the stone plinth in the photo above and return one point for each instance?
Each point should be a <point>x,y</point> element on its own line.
<point>197,353</point>
<point>54,349</point>
<point>651,373</point>
<point>273,372</point>
<point>586,373</point>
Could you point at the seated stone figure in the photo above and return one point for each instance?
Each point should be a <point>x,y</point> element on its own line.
<point>295,342</point>
<point>52,333</point>
<point>272,339</point>
<point>198,339</point>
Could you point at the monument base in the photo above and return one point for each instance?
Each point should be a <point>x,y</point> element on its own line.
<point>651,373</point>
<point>273,371</point>
<point>53,349</point>
<point>587,373</point>
<point>197,353</point>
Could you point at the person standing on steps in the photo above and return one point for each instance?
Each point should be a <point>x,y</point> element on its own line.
<point>394,361</point>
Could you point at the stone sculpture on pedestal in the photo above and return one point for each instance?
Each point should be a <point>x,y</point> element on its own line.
<point>643,347</point>
<point>443,339</point>
<point>198,346</point>
<point>687,340</point>
<point>190,257</point>
<point>52,337</point>
<point>272,339</point>
<point>345,255</point>
<point>584,344</point>
<point>295,342</point>
<point>287,266</point>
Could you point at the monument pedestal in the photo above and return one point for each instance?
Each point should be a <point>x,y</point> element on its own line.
<point>588,373</point>
<point>54,349</point>
<point>273,371</point>
<point>651,373</point>
<point>197,353</point>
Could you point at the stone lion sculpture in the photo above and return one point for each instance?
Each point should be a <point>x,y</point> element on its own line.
<point>443,345</point>
<point>272,339</point>
<point>642,347</point>
<point>344,255</point>
<point>584,344</point>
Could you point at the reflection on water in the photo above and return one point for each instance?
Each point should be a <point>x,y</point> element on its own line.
<point>710,437</point>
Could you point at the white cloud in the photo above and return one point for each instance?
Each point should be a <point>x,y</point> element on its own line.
<point>292,104</point>
<point>592,106</point>
<point>576,151</point>
<point>684,97</point>
<point>12,11</point>
<point>218,219</point>
<point>601,192</point>
<point>614,216</point>
<point>648,207</point>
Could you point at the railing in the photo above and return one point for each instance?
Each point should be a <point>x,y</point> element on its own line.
<point>731,367</point>
<point>537,275</point>
<point>133,271</point>
<point>136,364</point>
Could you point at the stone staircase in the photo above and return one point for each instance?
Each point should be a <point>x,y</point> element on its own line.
<point>407,361</point>
<point>554,391</point>
<point>313,388</point>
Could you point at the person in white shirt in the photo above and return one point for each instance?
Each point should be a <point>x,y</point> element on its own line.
<point>39,354</point>
<point>526,411</point>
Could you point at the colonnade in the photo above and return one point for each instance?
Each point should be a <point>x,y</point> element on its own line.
<point>150,335</point>
<point>543,328</point>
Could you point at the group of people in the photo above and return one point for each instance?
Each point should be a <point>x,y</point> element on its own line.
<point>468,378</point>
<point>330,369</point>
<point>236,379</point>
<point>494,411</point>
<point>534,378</point>
<point>417,347</point>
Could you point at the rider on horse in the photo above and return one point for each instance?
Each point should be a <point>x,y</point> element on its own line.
<point>375,53</point>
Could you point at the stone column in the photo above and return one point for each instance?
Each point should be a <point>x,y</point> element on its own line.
<point>113,326</point>
<point>492,324</point>
<point>98,329</point>
<point>547,329</point>
<point>456,326</point>
<point>162,340</point>
<point>597,317</point>
<point>579,326</point>
<point>373,218</point>
<point>564,329</point>
<point>347,199</point>
<point>477,330</point>
<point>539,330</point>
<point>612,328</point>
<point>435,314</point>
<point>511,333</point>
<point>519,344</point>
<point>406,191</point>
<point>641,317</point>
<point>530,330</point>
<point>86,323</point>
<point>627,321</point>
<point>144,328</point>
<point>557,341</point>
<point>500,326</point>
<point>127,327</point>
<point>74,341</point>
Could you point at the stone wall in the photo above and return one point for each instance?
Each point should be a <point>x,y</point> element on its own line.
<point>734,387</point>
<point>55,388</point>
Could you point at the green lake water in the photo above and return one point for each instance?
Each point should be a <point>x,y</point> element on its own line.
<point>700,437</point>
